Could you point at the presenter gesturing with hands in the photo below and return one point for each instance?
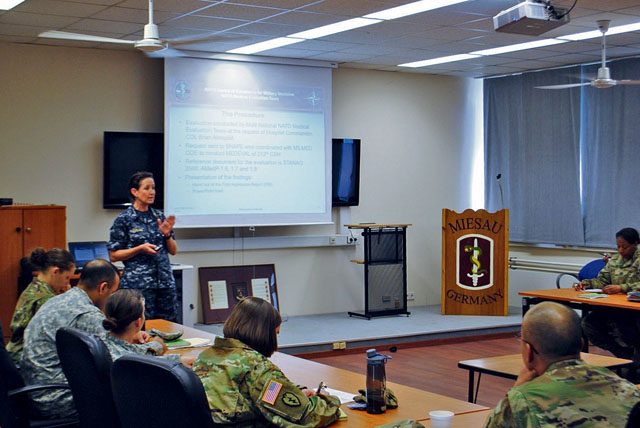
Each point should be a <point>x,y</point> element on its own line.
<point>142,238</point>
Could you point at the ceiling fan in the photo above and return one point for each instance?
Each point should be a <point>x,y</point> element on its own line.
<point>603,80</point>
<point>151,41</point>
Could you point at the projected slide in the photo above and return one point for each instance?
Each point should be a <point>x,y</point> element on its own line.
<point>246,144</point>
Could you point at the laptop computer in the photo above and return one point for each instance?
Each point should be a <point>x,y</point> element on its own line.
<point>84,252</point>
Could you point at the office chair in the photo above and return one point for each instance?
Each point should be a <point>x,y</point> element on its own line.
<point>588,271</point>
<point>86,363</point>
<point>152,392</point>
<point>14,398</point>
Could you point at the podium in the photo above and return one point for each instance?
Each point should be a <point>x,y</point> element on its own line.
<point>475,254</point>
<point>385,269</point>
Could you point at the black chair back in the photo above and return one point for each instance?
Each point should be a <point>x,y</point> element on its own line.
<point>12,413</point>
<point>634,417</point>
<point>153,392</point>
<point>86,363</point>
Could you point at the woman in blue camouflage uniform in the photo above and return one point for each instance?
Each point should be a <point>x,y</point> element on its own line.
<point>142,238</point>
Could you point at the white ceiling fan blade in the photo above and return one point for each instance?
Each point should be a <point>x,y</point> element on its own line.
<point>82,37</point>
<point>628,82</point>
<point>569,85</point>
<point>166,53</point>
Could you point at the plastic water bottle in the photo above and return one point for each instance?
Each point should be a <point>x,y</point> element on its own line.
<point>376,382</point>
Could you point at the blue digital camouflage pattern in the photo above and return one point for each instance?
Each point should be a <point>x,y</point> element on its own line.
<point>151,274</point>
<point>245,389</point>
<point>30,301</point>
<point>570,393</point>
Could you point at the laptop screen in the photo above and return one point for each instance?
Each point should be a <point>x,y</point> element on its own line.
<point>84,252</point>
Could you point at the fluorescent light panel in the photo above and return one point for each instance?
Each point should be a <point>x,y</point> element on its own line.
<point>266,45</point>
<point>412,9</point>
<point>9,4</point>
<point>441,60</point>
<point>337,27</point>
<point>350,24</point>
<point>519,47</point>
<point>524,46</point>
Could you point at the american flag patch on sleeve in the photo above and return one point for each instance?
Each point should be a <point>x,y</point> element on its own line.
<point>271,393</point>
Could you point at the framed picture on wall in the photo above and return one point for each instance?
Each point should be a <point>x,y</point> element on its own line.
<point>222,287</point>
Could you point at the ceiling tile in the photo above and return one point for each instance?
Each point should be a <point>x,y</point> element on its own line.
<point>65,8</point>
<point>93,25</point>
<point>36,19</point>
<point>235,11</point>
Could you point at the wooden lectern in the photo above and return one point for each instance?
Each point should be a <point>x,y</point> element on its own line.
<point>475,254</point>
<point>385,269</point>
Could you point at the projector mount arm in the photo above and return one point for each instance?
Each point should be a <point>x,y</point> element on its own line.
<point>552,10</point>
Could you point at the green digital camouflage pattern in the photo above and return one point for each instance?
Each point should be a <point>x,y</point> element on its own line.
<point>618,271</point>
<point>30,301</point>
<point>118,347</point>
<point>236,379</point>
<point>570,393</point>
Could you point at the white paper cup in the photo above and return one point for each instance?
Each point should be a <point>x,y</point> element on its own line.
<point>441,418</point>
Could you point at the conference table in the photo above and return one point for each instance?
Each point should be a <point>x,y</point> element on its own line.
<point>571,298</point>
<point>413,403</point>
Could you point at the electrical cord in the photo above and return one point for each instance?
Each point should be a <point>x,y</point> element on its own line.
<point>552,10</point>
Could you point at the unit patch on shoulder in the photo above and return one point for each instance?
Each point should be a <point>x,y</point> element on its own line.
<point>290,399</point>
<point>271,392</point>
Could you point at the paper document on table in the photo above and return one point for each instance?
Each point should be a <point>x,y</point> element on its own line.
<point>345,397</point>
<point>193,342</point>
<point>218,295</point>
<point>592,296</point>
<point>260,288</point>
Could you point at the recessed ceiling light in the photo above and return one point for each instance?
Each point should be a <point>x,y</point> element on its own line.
<point>441,60</point>
<point>334,28</point>
<point>412,9</point>
<point>266,45</point>
<point>9,4</point>
<point>519,47</point>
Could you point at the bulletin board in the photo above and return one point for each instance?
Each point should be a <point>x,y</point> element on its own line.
<point>222,287</point>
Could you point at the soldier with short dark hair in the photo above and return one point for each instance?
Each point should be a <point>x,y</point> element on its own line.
<point>616,330</point>
<point>555,387</point>
<point>244,388</point>
<point>81,308</point>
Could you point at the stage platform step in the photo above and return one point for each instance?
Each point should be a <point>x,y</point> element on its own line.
<point>317,333</point>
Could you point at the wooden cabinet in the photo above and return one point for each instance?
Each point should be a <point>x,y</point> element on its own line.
<point>23,228</point>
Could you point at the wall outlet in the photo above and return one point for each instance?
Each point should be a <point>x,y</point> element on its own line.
<point>411,295</point>
<point>336,346</point>
<point>343,345</point>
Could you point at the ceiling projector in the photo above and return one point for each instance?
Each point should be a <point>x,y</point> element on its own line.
<point>530,18</point>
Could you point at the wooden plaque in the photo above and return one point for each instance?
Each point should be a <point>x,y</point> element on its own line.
<point>223,286</point>
<point>475,254</point>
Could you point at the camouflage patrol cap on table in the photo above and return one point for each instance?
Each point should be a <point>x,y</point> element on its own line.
<point>390,398</point>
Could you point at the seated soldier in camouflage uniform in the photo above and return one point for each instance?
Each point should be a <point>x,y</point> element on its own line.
<point>124,318</point>
<point>614,329</point>
<point>79,308</point>
<point>556,388</point>
<point>54,268</point>
<point>244,388</point>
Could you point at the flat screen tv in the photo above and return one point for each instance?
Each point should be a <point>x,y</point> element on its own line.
<point>126,153</point>
<point>345,172</point>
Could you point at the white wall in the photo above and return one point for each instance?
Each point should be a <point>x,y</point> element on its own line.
<point>417,150</point>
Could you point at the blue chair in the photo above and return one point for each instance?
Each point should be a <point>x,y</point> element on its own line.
<point>588,271</point>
